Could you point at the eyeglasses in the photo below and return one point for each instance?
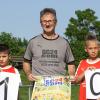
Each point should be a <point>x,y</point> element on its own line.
<point>48,21</point>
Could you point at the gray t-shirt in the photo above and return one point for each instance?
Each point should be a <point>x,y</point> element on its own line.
<point>49,57</point>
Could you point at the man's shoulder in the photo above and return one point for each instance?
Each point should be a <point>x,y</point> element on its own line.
<point>35,38</point>
<point>63,39</point>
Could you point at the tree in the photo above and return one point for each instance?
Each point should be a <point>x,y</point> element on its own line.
<point>78,51</point>
<point>17,46</point>
<point>85,22</point>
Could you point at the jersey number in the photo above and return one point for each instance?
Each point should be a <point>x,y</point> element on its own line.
<point>5,82</point>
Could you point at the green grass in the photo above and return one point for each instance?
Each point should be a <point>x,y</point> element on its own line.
<point>23,94</point>
<point>23,91</point>
<point>74,92</point>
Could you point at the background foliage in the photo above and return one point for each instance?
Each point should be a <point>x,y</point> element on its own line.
<point>17,45</point>
<point>85,22</point>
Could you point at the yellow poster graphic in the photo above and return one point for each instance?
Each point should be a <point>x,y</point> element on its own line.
<point>51,88</point>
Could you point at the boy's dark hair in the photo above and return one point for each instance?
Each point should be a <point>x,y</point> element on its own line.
<point>90,37</point>
<point>48,10</point>
<point>4,47</point>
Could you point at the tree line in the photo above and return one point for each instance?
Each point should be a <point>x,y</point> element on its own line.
<point>85,22</point>
<point>17,45</point>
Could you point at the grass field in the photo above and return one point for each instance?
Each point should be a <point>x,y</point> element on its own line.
<point>24,91</point>
<point>74,92</point>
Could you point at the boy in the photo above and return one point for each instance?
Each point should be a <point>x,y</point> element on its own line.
<point>92,62</point>
<point>8,71</point>
<point>4,60</point>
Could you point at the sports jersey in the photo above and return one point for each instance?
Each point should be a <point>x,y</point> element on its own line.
<point>84,64</point>
<point>11,78</point>
<point>9,69</point>
<point>49,57</point>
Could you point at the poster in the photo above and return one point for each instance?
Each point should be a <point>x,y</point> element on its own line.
<point>9,85</point>
<point>51,88</point>
<point>92,83</point>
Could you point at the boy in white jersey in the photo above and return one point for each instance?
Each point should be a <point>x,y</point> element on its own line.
<point>4,59</point>
<point>10,73</point>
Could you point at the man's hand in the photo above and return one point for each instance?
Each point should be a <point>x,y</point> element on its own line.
<point>31,77</point>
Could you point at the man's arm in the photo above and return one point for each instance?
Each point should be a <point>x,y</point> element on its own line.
<point>28,71</point>
<point>71,71</point>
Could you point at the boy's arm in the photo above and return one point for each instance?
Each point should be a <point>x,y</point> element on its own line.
<point>79,74</point>
<point>80,78</point>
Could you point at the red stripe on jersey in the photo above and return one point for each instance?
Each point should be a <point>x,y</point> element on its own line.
<point>10,70</point>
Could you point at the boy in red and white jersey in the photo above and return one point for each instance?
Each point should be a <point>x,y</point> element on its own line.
<point>92,62</point>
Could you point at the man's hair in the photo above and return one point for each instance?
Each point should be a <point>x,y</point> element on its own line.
<point>4,47</point>
<point>48,10</point>
<point>90,37</point>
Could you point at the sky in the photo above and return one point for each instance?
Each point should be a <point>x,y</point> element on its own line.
<point>21,18</point>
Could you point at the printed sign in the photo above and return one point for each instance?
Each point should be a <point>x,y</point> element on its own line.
<point>9,85</point>
<point>51,88</point>
<point>92,83</point>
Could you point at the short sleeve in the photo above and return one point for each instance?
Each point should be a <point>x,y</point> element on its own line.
<point>79,69</point>
<point>28,53</point>
<point>69,55</point>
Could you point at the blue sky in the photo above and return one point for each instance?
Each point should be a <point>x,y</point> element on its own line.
<point>21,17</point>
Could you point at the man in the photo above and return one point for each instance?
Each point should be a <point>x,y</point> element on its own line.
<point>49,52</point>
